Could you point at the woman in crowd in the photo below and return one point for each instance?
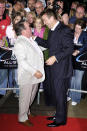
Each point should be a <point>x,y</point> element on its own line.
<point>31,16</point>
<point>62,13</point>
<point>80,42</point>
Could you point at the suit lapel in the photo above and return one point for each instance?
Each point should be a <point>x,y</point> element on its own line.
<point>35,47</point>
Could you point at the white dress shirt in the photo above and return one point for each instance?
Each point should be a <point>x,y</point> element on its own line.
<point>54,27</point>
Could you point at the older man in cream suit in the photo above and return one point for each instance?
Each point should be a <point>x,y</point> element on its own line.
<point>30,69</point>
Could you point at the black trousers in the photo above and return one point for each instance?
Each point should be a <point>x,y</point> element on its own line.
<point>61,86</point>
<point>48,88</point>
<point>84,84</point>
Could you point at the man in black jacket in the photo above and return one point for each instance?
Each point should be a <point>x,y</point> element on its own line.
<point>60,44</point>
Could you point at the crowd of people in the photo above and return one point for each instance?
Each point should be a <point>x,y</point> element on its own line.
<point>45,36</point>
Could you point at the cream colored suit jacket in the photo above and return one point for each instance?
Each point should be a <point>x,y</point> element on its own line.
<point>30,59</point>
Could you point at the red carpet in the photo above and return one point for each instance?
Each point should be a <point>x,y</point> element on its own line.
<point>8,122</point>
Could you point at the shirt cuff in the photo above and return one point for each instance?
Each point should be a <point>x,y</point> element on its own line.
<point>56,59</point>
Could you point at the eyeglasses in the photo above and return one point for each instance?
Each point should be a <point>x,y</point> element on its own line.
<point>79,12</point>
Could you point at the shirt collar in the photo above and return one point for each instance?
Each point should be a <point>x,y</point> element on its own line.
<point>54,27</point>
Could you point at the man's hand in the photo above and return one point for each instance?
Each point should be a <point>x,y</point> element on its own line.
<point>76,52</point>
<point>51,60</point>
<point>38,75</point>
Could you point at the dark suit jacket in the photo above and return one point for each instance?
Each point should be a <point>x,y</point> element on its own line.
<point>60,44</point>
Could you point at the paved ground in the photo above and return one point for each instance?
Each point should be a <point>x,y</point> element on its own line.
<point>9,104</point>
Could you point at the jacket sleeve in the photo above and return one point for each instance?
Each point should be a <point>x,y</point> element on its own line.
<point>84,47</point>
<point>67,45</point>
<point>41,42</point>
<point>21,59</point>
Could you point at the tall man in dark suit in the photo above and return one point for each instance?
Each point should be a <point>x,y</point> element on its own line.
<point>60,44</point>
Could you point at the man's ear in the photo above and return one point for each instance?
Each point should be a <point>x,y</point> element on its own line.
<point>22,32</point>
<point>84,13</point>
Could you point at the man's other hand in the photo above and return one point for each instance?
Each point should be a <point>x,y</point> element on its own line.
<point>38,75</point>
<point>51,60</point>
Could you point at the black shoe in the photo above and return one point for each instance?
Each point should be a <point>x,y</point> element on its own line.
<point>1,96</point>
<point>52,118</point>
<point>54,124</point>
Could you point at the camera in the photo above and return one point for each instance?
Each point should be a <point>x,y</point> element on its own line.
<point>7,5</point>
<point>56,6</point>
<point>49,3</point>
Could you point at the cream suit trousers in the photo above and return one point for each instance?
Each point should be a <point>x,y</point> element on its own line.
<point>26,97</point>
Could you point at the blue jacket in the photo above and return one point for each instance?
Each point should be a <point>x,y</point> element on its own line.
<point>83,40</point>
<point>73,19</point>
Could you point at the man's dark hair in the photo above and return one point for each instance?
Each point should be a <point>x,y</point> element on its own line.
<point>19,27</point>
<point>49,13</point>
<point>81,23</point>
